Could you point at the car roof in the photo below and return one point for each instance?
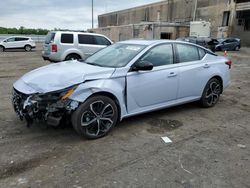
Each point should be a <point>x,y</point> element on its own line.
<point>78,32</point>
<point>18,37</point>
<point>155,42</point>
<point>146,42</point>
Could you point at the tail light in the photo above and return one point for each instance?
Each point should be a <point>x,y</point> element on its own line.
<point>53,48</point>
<point>229,63</point>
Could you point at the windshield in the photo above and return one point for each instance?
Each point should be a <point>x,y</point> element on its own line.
<point>49,38</point>
<point>116,55</point>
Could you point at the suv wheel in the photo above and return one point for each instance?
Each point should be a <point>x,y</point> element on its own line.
<point>96,117</point>
<point>72,57</point>
<point>1,48</point>
<point>27,48</point>
<point>237,48</point>
<point>211,93</point>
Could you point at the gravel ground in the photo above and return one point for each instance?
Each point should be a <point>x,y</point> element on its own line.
<point>210,148</point>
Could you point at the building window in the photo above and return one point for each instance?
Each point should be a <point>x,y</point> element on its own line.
<point>226,15</point>
<point>247,25</point>
<point>166,35</point>
<point>146,15</point>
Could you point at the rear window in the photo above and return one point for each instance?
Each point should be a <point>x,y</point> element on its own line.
<point>49,38</point>
<point>101,40</point>
<point>202,52</point>
<point>86,39</point>
<point>67,38</point>
<point>187,53</point>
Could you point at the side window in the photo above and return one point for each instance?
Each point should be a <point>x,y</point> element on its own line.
<point>202,52</point>
<point>187,53</point>
<point>231,40</point>
<point>20,39</point>
<point>101,41</point>
<point>160,55</point>
<point>67,38</point>
<point>86,39</point>
<point>10,40</point>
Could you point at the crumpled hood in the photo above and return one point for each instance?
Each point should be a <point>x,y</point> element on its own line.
<point>59,76</point>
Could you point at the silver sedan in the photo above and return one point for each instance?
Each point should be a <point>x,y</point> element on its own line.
<point>122,80</point>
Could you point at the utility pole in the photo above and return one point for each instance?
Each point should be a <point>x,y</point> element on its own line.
<point>195,9</point>
<point>92,14</point>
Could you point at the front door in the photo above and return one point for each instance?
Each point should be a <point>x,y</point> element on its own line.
<point>10,43</point>
<point>149,89</point>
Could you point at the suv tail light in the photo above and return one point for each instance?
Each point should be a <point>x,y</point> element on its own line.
<point>229,63</point>
<point>53,48</point>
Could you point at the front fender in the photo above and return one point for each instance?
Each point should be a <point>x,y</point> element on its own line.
<point>115,87</point>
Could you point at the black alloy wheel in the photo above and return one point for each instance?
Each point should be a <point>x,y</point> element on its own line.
<point>96,117</point>
<point>211,93</point>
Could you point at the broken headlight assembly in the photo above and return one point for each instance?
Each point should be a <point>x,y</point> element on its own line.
<point>50,107</point>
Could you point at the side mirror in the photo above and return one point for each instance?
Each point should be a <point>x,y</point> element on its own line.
<point>142,66</point>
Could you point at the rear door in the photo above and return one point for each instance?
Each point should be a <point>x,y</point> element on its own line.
<point>20,42</point>
<point>87,44</point>
<point>193,71</point>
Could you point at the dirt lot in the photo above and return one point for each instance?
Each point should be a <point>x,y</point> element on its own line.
<point>211,147</point>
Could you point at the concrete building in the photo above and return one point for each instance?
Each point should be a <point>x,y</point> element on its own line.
<point>170,19</point>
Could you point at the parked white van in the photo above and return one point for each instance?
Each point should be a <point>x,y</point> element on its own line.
<point>67,45</point>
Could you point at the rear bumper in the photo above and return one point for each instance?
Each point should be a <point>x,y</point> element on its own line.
<point>50,57</point>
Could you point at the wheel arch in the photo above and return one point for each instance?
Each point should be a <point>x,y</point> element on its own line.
<point>111,96</point>
<point>3,47</point>
<point>220,80</point>
<point>70,52</point>
<point>73,53</point>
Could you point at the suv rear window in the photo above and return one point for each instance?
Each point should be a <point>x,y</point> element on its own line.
<point>67,38</point>
<point>86,39</point>
<point>49,38</point>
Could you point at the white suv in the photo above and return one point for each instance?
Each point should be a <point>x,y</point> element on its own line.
<point>67,45</point>
<point>17,42</point>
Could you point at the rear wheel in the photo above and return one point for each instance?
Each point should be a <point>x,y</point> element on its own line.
<point>72,57</point>
<point>27,48</point>
<point>237,48</point>
<point>211,93</point>
<point>96,117</point>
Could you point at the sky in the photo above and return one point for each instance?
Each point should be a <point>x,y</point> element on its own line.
<point>63,14</point>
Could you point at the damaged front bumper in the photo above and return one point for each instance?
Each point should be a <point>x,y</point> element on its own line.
<point>50,107</point>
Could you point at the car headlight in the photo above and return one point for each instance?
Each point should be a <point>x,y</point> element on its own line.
<point>55,95</point>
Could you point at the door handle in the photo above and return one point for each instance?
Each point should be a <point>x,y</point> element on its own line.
<point>172,74</point>
<point>206,66</point>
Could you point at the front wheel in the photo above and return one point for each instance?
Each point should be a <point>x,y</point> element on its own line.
<point>211,93</point>
<point>1,48</point>
<point>96,117</point>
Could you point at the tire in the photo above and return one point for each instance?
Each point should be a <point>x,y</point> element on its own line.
<point>1,49</point>
<point>72,57</point>
<point>27,48</point>
<point>237,48</point>
<point>96,117</point>
<point>211,93</point>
